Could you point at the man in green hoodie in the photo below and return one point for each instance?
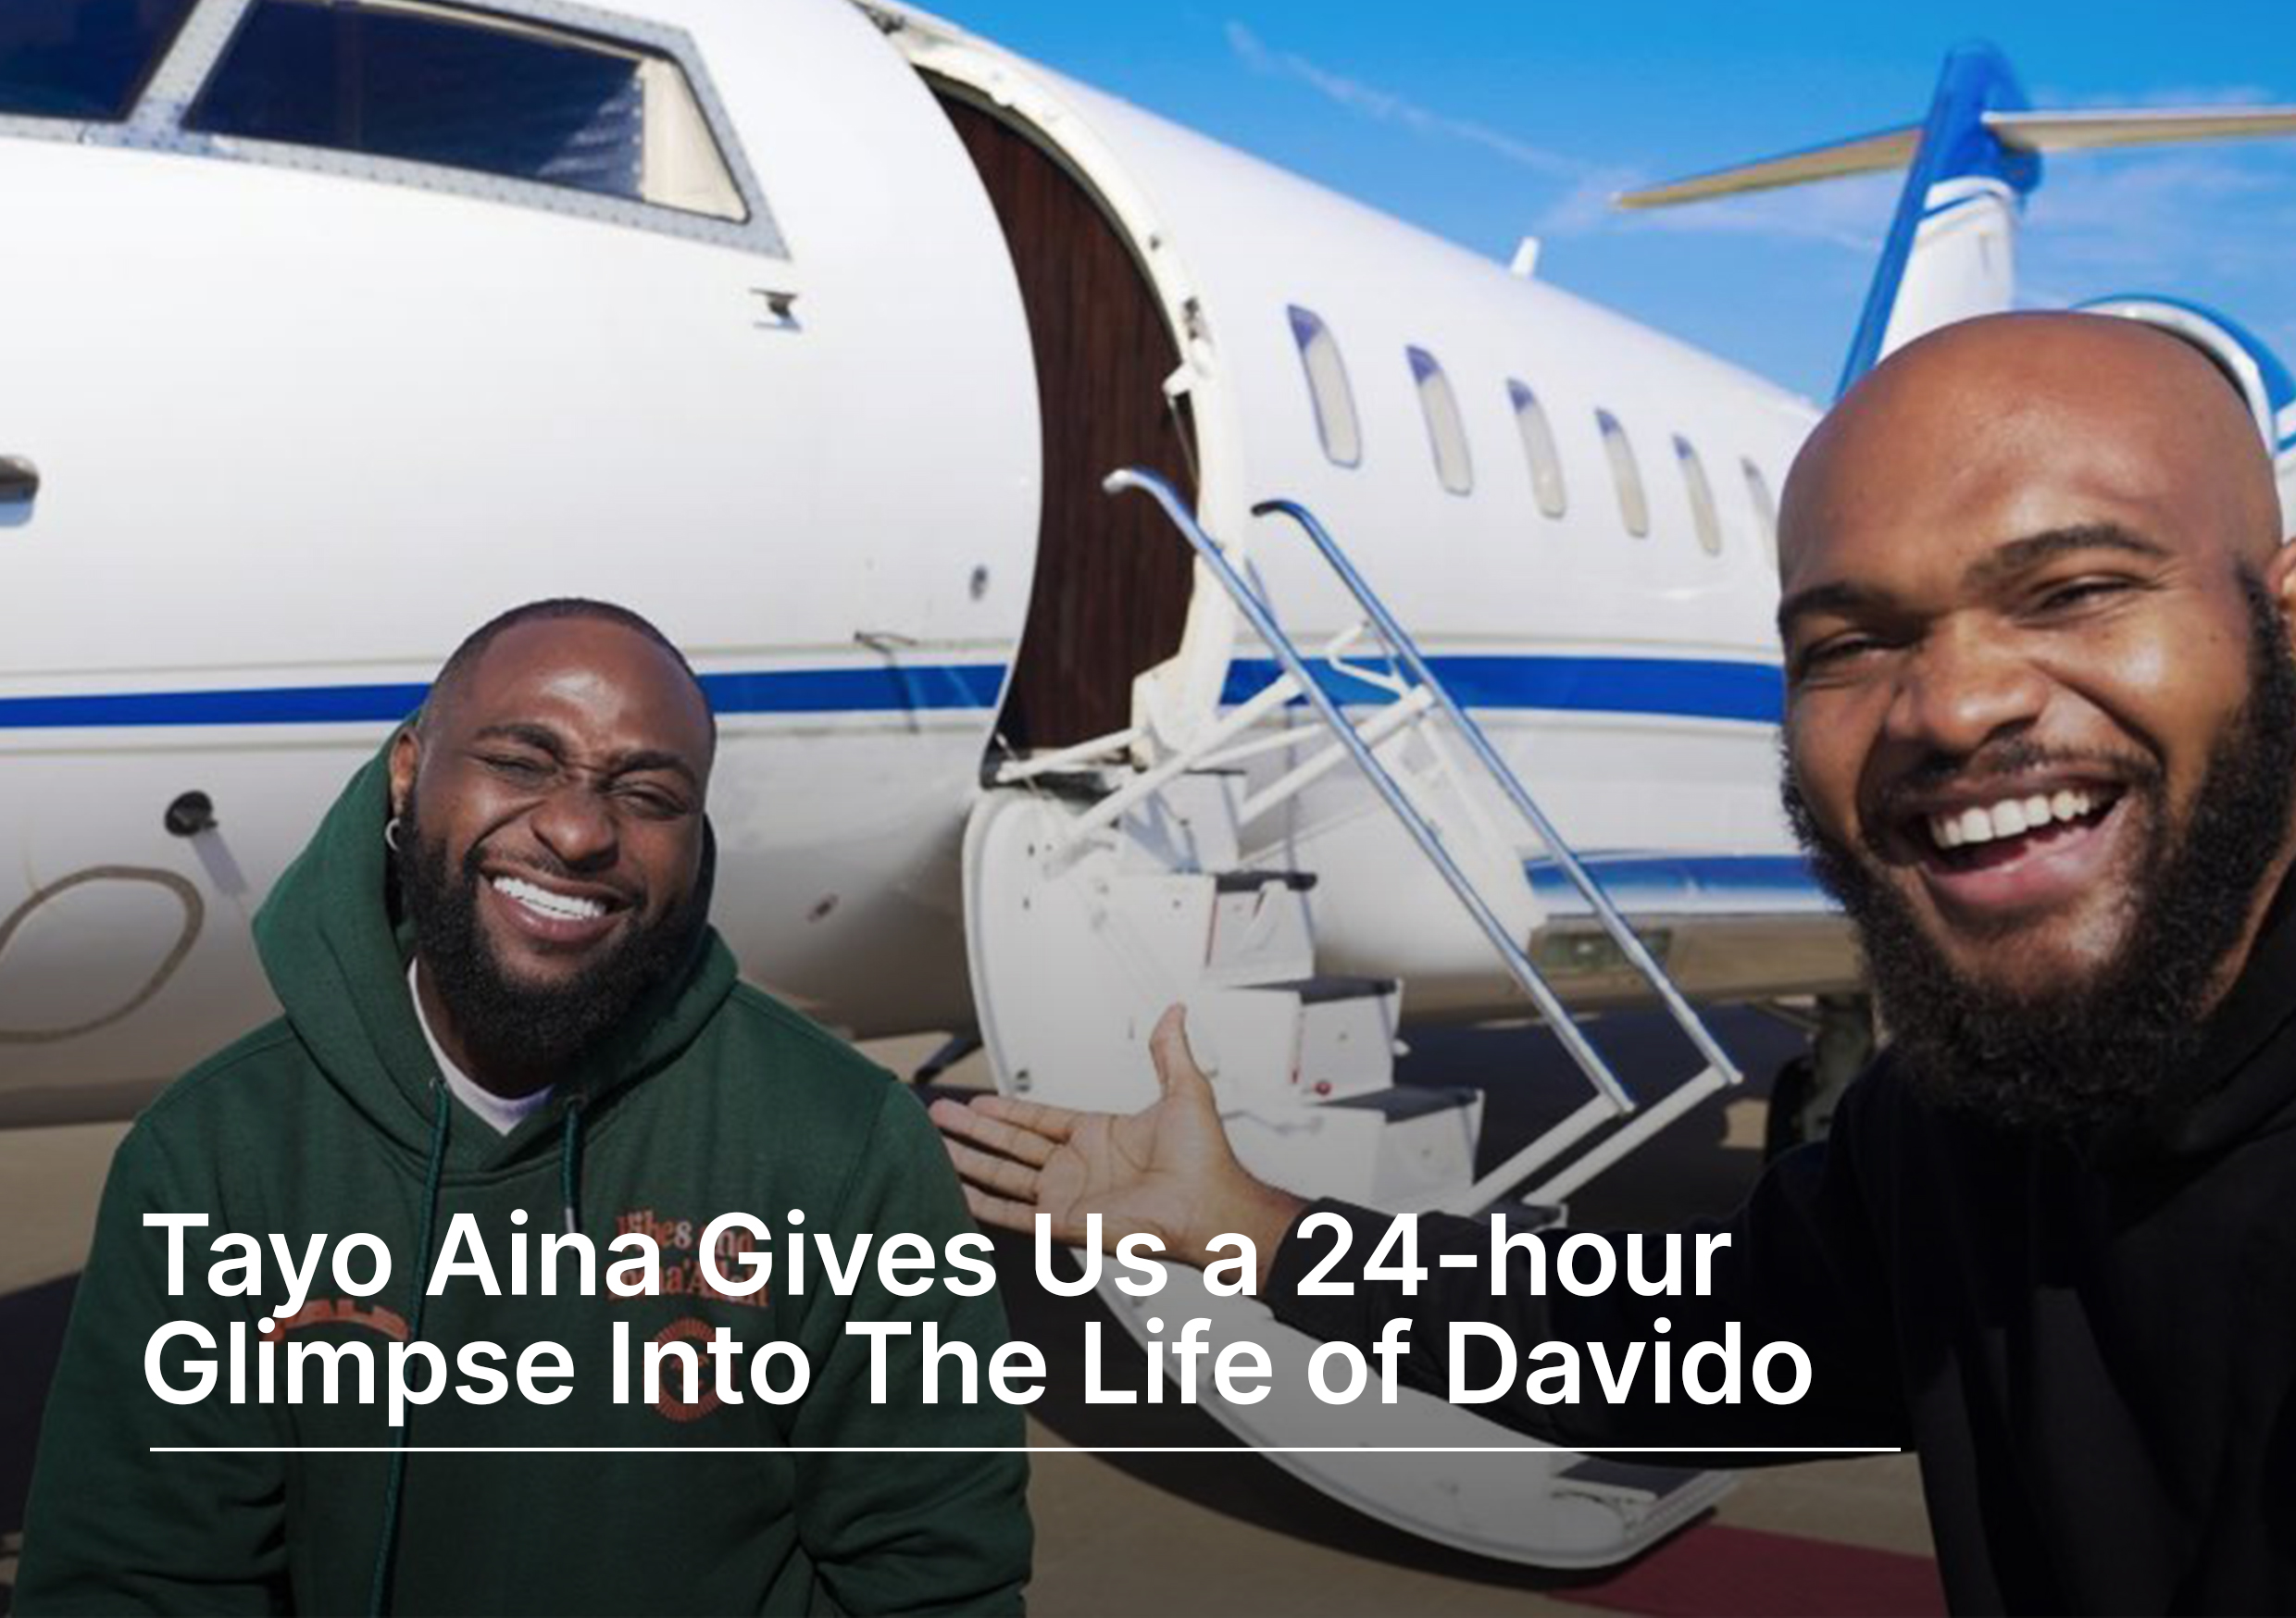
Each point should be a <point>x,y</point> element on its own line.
<point>506,1016</point>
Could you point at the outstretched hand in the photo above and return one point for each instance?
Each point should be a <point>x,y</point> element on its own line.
<point>1166,1170</point>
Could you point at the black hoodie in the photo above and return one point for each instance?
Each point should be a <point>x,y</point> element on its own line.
<point>2093,1352</point>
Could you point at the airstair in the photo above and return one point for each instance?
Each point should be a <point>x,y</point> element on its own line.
<point>1108,880</point>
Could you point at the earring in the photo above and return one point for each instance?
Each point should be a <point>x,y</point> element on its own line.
<point>391,834</point>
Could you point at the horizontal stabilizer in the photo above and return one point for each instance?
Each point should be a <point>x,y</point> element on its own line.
<point>2020,131</point>
<point>2082,132</point>
<point>1860,154</point>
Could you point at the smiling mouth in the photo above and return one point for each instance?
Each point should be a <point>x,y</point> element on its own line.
<point>549,904</point>
<point>1990,832</point>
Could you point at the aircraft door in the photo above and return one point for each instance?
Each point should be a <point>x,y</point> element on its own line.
<point>1111,583</point>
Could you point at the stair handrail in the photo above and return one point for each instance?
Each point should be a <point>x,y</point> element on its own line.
<point>1406,651</point>
<point>1263,621</point>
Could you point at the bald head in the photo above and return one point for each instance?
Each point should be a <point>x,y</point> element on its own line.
<point>448,687</point>
<point>2041,710</point>
<point>1981,406</point>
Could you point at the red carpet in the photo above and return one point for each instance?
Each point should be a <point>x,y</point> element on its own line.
<point>1715,1569</point>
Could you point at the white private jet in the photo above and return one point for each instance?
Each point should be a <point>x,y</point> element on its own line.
<point>814,331</point>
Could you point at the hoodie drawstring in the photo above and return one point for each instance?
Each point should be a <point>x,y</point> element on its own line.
<point>570,1165</point>
<point>379,1591</point>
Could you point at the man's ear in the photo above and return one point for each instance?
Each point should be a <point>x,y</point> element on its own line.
<point>2280,584</point>
<point>405,753</point>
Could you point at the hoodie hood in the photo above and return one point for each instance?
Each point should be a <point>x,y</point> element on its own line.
<point>712,1098</point>
<point>336,953</point>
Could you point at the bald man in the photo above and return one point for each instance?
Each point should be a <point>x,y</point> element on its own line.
<point>2041,736</point>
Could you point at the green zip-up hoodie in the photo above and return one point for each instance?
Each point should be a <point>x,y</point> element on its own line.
<point>715,1098</point>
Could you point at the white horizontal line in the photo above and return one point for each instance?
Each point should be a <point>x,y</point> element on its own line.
<point>1017,1449</point>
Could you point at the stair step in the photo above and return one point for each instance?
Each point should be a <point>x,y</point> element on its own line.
<point>1322,987</point>
<point>1295,1043</point>
<point>1524,1216</point>
<point>1640,1485</point>
<point>1400,1102</point>
<point>1189,825</point>
<point>1251,881</point>
<point>1260,930</point>
<point>1191,931</point>
<point>1077,786</point>
<point>1387,1153</point>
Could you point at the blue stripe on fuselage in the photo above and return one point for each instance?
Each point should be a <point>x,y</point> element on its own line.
<point>800,691</point>
<point>1726,884</point>
<point>1666,687</point>
<point>1663,686</point>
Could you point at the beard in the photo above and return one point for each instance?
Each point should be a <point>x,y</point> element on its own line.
<point>2116,1044</point>
<point>508,1023</point>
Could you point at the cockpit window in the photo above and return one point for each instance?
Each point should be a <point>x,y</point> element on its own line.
<point>86,61</point>
<point>473,89</point>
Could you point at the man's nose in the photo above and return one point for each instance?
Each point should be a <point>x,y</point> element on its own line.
<point>576,823</point>
<point>1965,686</point>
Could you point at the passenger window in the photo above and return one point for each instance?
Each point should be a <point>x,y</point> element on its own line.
<point>1546,466</point>
<point>1327,387</point>
<point>1704,520</point>
<point>82,59</point>
<point>1764,505</point>
<point>1446,434</point>
<point>433,84</point>
<point>1633,505</point>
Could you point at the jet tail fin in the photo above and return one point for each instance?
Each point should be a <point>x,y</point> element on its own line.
<point>1951,251</point>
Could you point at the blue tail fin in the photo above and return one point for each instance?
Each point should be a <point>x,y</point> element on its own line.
<point>1951,250</point>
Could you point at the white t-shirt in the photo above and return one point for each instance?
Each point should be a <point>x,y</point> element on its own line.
<point>505,1113</point>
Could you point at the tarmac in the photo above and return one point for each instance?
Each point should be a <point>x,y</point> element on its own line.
<point>1229,1533</point>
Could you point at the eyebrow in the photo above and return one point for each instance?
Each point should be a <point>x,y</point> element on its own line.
<point>2004,561</point>
<point>2014,557</point>
<point>1840,597</point>
<point>545,740</point>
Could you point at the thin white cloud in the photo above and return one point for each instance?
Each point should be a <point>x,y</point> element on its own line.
<point>1385,107</point>
<point>1844,214</point>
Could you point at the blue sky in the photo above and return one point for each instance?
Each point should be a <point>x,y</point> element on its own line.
<point>1486,121</point>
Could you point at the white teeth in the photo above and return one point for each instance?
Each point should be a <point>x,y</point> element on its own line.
<point>2010,817</point>
<point>542,902</point>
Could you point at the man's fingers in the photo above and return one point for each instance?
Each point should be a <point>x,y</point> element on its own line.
<point>957,1119</point>
<point>993,1173</point>
<point>1055,1124</point>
